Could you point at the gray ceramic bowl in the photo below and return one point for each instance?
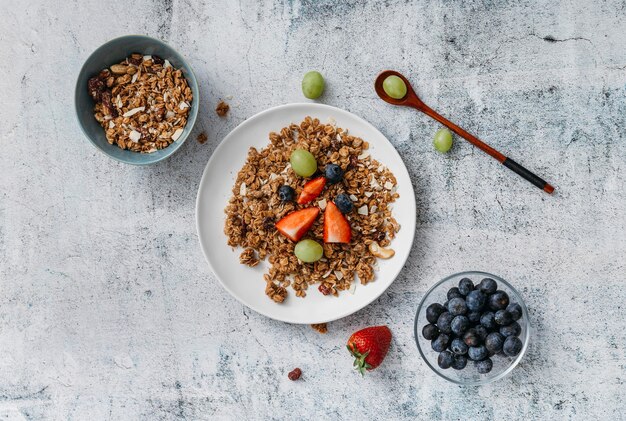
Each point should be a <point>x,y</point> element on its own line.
<point>113,52</point>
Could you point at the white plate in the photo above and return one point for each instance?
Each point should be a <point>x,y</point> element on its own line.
<point>246,284</point>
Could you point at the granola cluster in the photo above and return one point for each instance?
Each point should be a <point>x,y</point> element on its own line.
<point>254,208</point>
<point>142,103</point>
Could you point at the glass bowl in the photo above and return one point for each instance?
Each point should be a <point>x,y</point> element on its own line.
<point>502,365</point>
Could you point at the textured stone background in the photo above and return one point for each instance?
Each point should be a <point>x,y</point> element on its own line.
<point>109,311</point>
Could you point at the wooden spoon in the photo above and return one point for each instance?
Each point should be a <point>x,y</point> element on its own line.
<point>412,100</point>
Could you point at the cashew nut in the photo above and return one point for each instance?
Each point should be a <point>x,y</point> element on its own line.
<point>379,251</point>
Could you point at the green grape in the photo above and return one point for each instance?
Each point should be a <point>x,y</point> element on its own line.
<point>394,87</point>
<point>308,251</point>
<point>443,140</point>
<point>312,85</point>
<point>303,162</point>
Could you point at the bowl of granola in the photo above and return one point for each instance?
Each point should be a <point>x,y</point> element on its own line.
<point>136,99</point>
<point>306,244</point>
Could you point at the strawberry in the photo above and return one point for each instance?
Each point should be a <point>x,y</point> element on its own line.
<point>336,226</point>
<point>369,347</point>
<point>311,190</point>
<point>296,224</point>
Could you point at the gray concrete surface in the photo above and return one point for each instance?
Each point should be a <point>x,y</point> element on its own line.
<point>109,311</point>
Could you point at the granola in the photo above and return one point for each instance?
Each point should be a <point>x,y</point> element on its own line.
<point>142,103</point>
<point>222,109</point>
<point>254,208</point>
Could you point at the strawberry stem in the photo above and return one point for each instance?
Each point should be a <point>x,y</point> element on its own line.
<point>359,360</point>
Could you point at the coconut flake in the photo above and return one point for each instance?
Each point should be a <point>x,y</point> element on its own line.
<point>177,134</point>
<point>332,121</point>
<point>242,189</point>
<point>134,78</point>
<point>169,114</point>
<point>111,124</point>
<point>183,105</point>
<point>388,185</point>
<point>167,64</point>
<point>368,194</point>
<point>322,204</point>
<point>363,210</point>
<point>119,102</point>
<point>373,209</point>
<point>133,111</point>
<point>273,176</point>
<point>146,58</point>
<point>364,155</point>
<point>325,275</point>
<point>134,136</point>
<point>353,198</point>
<point>338,274</point>
<point>352,288</point>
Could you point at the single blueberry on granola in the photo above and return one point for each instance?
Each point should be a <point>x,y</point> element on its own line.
<point>286,193</point>
<point>344,203</point>
<point>334,173</point>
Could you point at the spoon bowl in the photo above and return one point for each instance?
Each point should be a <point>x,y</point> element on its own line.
<point>409,100</point>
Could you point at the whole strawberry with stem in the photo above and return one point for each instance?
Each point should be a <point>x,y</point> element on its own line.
<point>369,347</point>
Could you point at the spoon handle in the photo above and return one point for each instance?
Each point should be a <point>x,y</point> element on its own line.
<point>507,162</point>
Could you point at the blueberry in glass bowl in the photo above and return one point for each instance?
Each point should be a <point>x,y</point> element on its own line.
<point>478,328</point>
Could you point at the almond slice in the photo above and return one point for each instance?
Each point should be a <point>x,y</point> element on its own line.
<point>134,136</point>
<point>133,111</point>
<point>177,134</point>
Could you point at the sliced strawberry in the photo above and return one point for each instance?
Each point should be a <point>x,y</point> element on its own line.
<point>296,224</point>
<point>311,190</point>
<point>336,226</point>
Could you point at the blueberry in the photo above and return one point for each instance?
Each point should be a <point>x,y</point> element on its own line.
<point>458,346</point>
<point>475,300</point>
<point>445,305</point>
<point>454,293</point>
<point>515,310</point>
<point>494,342</point>
<point>433,312</point>
<point>459,325</point>
<point>445,359</point>
<point>481,332</point>
<point>441,343</point>
<point>498,300</point>
<point>471,338</point>
<point>457,306</point>
<point>488,320</point>
<point>343,202</point>
<point>488,286</point>
<point>503,318</point>
<point>474,317</point>
<point>484,366</point>
<point>477,353</point>
<point>512,346</point>
<point>334,173</point>
<point>460,361</point>
<point>444,322</point>
<point>286,193</point>
<point>514,329</point>
<point>430,332</point>
<point>465,286</point>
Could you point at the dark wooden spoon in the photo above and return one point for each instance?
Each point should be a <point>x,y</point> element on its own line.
<point>412,100</point>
